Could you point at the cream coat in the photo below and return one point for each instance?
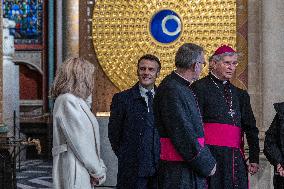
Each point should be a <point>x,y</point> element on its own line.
<point>76,144</point>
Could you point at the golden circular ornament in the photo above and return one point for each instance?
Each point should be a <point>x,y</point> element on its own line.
<point>122,32</point>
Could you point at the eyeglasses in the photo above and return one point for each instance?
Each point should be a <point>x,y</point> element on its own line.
<point>227,63</point>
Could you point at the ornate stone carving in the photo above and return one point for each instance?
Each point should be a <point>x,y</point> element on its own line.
<point>30,57</point>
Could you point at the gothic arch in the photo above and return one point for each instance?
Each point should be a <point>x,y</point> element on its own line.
<point>30,65</point>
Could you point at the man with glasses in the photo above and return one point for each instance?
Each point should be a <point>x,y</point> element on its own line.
<point>185,161</point>
<point>227,114</point>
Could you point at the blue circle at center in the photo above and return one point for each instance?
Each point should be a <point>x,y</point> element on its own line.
<point>166,26</point>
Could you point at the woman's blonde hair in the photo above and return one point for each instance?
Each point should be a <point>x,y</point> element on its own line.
<point>75,76</point>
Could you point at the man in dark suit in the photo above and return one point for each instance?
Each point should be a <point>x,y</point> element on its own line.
<point>185,160</point>
<point>274,145</point>
<point>132,134</point>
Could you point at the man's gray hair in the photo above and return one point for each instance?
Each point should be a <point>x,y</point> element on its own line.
<point>187,55</point>
<point>219,57</point>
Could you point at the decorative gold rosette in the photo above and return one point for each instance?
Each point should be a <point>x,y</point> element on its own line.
<point>124,30</point>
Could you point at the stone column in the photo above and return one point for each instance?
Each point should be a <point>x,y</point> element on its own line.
<point>5,167</point>
<point>10,74</point>
<point>1,71</point>
<point>272,57</point>
<point>51,51</point>
<point>70,28</point>
<point>254,64</point>
<point>58,43</point>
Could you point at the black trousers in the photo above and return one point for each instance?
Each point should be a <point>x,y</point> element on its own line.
<point>150,182</point>
<point>278,182</point>
<point>147,182</point>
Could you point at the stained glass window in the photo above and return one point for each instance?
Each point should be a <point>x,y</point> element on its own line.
<point>28,15</point>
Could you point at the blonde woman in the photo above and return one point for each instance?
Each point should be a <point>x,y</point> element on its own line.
<point>76,139</point>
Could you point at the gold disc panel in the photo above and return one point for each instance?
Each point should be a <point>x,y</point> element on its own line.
<point>122,33</point>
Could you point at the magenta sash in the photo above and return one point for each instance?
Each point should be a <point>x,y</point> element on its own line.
<point>168,151</point>
<point>218,134</point>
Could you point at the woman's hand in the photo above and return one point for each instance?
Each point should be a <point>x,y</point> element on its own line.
<point>280,170</point>
<point>253,168</point>
<point>96,181</point>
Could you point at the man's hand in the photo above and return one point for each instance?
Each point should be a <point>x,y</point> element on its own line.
<point>213,170</point>
<point>253,168</point>
<point>280,170</point>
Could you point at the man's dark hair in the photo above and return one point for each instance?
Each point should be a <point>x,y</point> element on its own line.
<point>151,58</point>
<point>187,55</point>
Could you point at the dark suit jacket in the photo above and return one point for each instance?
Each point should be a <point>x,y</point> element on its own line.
<point>132,135</point>
<point>274,139</point>
<point>274,143</point>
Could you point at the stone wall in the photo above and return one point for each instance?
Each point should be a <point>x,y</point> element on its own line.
<point>254,63</point>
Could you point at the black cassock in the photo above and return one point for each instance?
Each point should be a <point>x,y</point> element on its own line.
<point>184,160</point>
<point>221,103</point>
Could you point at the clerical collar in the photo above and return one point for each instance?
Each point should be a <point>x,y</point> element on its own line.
<point>189,82</point>
<point>223,82</point>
